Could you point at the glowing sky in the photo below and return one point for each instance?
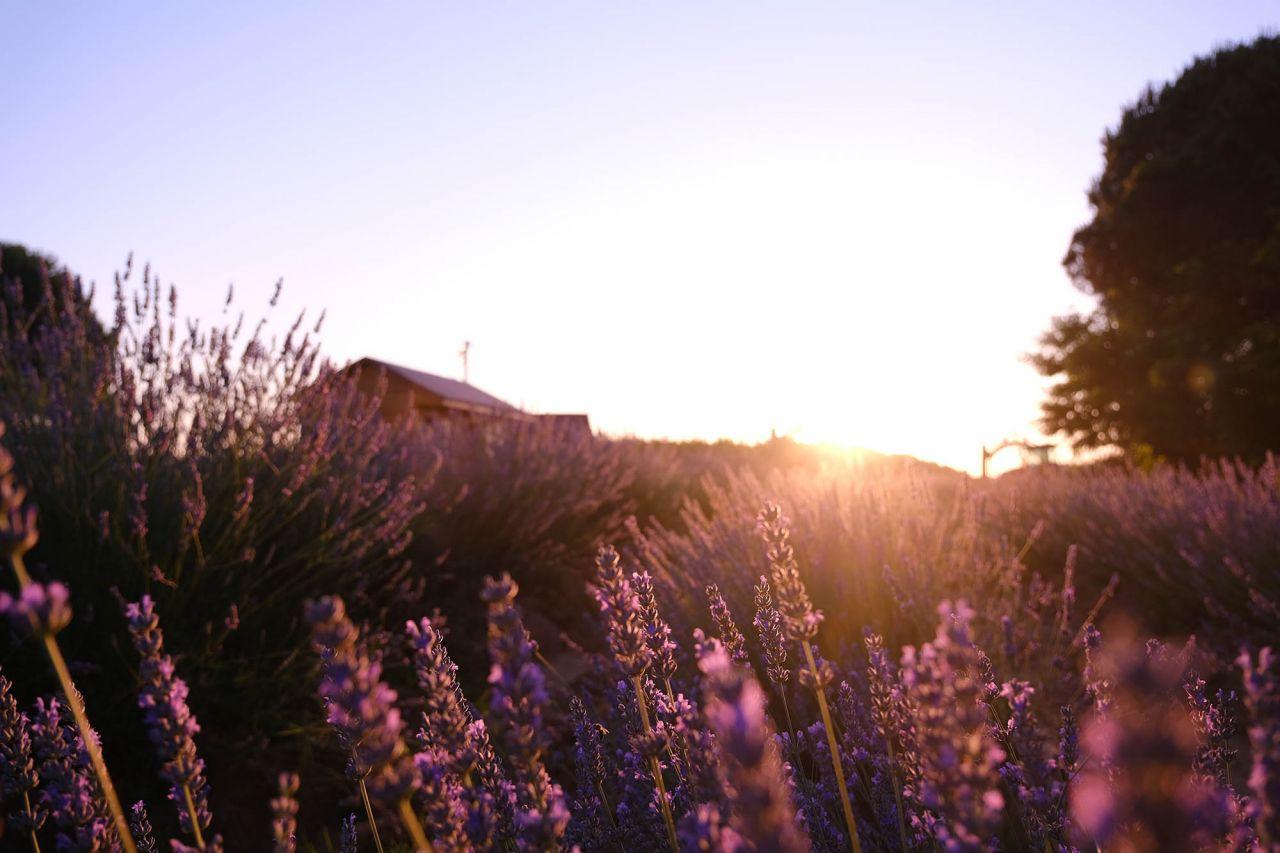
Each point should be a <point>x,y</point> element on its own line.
<point>841,221</point>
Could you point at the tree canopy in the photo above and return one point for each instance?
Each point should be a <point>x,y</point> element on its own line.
<point>1181,357</point>
<point>40,279</point>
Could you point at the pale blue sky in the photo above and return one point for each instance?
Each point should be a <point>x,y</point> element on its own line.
<point>841,220</point>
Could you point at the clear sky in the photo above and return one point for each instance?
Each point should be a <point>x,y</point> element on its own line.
<point>841,221</point>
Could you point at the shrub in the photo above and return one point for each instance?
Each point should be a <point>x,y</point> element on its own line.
<point>226,476</point>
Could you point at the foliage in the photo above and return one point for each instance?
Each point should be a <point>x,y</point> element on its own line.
<point>1182,353</point>
<point>949,748</point>
<point>917,661</point>
<point>41,280</point>
<point>226,476</point>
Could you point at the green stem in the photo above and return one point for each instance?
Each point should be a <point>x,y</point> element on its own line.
<point>411,823</point>
<point>76,703</point>
<point>897,791</point>
<point>608,811</point>
<point>35,842</point>
<point>368,810</point>
<point>191,811</point>
<point>654,767</point>
<point>849,822</point>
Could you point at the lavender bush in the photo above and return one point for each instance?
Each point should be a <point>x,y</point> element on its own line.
<point>909,661</point>
<point>225,475</point>
<point>947,749</point>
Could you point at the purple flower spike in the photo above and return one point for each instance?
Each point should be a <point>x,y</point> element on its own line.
<point>361,707</point>
<point>1262,698</point>
<point>773,639</point>
<point>1137,789</point>
<point>519,694</point>
<point>172,726</point>
<point>350,842</point>
<point>621,608</point>
<point>792,597</point>
<point>18,532</point>
<point>18,779</point>
<point>959,783</point>
<point>445,718</point>
<point>284,814</point>
<point>734,643</point>
<point>68,792</point>
<point>763,813</point>
<point>38,608</point>
<point>140,826</point>
<point>658,632</point>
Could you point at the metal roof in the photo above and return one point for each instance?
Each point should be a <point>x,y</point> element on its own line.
<point>449,389</point>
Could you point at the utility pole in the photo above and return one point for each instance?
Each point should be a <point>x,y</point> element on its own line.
<point>466,349</point>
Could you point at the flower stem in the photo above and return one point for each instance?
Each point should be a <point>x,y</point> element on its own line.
<point>368,810</point>
<point>897,791</point>
<point>654,767</point>
<point>35,842</point>
<point>191,811</point>
<point>849,822</point>
<point>412,824</point>
<point>76,703</point>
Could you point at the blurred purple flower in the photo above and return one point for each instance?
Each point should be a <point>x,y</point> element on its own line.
<point>1262,698</point>
<point>734,643</point>
<point>38,608</point>
<point>361,707</point>
<point>170,723</point>
<point>763,814</point>
<point>519,695</point>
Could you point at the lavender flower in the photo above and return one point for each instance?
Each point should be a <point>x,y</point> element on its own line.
<point>763,813</point>
<point>793,599</point>
<point>1138,790</point>
<point>802,623</point>
<point>894,714</point>
<point>284,814</point>
<point>140,826</point>
<point>350,842</point>
<point>18,533</point>
<point>445,718</point>
<point>704,829</point>
<point>137,503</point>
<point>170,723</point>
<point>592,826</point>
<point>621,608</point>
<point>959,783</point>
<point>519,694</point>
<point>1030,774</point>
<point>491,819</point>
<point>1215,723</point>
<point>68,793</point>
<point>773,640</point>
<point>361,707</point>
<point>18,778</point>
<point>38,608</point>
<point>1262,698</point>
<point>1068,744</point>
<point>440,800</point>
<point>628,642</point>
<point>734,643</point>
<point>656,629</point>
<point>1094,684</point>
<point>194,506</point>
<point>244,500</point>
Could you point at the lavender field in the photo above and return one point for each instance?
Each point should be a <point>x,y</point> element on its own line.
<point>246,613</point>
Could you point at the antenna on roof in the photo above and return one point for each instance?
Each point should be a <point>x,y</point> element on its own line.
<point>466,348</point>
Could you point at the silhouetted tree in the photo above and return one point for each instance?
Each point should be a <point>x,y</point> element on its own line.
<point>1181,357</point>
<point>32,271</point>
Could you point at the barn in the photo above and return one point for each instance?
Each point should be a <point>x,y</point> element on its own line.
<point>433,397</point>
